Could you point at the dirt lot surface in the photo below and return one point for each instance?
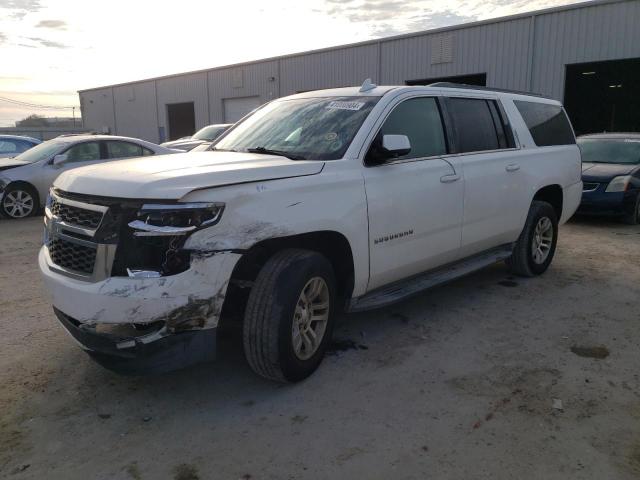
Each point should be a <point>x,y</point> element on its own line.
<point>491,377</point>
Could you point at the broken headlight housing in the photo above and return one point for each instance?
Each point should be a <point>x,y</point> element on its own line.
<point>153,246</point>
<point>155,220</point>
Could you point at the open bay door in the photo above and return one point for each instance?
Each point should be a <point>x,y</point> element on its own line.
<point>236,108</point>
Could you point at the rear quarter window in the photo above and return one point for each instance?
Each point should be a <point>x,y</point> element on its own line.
<point>547,123</point>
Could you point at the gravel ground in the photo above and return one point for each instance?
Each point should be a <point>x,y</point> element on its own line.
<point>490,377</point>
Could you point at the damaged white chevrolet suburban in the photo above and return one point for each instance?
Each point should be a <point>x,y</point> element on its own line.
<point>345,199</point>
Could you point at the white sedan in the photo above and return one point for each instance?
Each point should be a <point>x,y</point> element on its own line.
<point>25,180</point>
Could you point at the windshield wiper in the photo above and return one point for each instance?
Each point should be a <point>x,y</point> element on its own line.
<point>281,153</point>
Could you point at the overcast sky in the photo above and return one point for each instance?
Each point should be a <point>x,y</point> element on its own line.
<point>49,49</point>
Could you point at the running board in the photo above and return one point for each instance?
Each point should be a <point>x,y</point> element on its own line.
<point>403,289</point>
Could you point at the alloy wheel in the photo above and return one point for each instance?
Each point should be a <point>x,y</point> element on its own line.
<point>542,240</point>
<point>310,318</point>
<point>18,204</point>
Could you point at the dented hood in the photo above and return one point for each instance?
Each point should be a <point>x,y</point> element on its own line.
<point>173,176</point>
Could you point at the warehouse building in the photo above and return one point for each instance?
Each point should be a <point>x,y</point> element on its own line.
<point>586,55</point>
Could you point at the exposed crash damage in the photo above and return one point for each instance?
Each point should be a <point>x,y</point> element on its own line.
<point>146,290</point>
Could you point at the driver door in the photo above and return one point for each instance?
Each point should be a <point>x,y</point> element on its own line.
<point>415,201</point>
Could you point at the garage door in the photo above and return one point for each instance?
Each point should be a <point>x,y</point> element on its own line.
<point>236,108</point>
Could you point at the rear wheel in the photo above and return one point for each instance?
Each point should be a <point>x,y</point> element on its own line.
<point>536,245</point>
<point>289,315</point>
<point>19,201</point>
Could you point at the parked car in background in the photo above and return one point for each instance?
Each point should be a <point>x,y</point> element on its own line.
<point>611,175</point>
<point>206,134</point>
<point>13,145</point>
<point>25,180</point>
<point>346,199</point>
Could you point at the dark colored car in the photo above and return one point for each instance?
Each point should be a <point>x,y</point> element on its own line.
<point>206,134</point>
<point>611,175</point>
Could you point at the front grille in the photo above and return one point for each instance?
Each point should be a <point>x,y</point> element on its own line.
<point>72,256</point>
<point>589,187</point>
<point>76,216</point>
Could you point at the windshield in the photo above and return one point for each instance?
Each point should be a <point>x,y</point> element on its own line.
<point>610,150</point>
<point>209,133</point>
<point>304,128</point>
<point>43,151</point>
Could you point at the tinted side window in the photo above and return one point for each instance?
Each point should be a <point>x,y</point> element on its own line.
<point>474,125</point>
<point>419,119</point>
<point>123,149</point>
<point>146,152</point>
<point>84,152</point>
<point>548,124</point>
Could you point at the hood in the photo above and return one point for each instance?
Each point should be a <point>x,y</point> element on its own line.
<point>7,163</point>
<point>606,171</point>
<point>186,145</point>
<point>173,176</point>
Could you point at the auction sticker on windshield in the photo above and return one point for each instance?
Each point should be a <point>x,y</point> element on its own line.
<point>338,105</point>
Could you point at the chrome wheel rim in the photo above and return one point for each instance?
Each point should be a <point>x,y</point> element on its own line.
<point>542,239</point>
<point>18,204</point>
<point>310,318</point>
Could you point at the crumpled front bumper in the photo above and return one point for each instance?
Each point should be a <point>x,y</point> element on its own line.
<point>163,317</point>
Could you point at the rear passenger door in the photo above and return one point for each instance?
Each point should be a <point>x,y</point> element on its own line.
<point>495,187</point>
<point>414,201</point>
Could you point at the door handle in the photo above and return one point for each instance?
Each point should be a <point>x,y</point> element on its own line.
<point>512,167</point>
<point>450,178</point>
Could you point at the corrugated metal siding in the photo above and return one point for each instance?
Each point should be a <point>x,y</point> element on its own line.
<point>499,50</point>
<point>524,53</point>
<point>136,110</point>
<point>590,34</point>
<point>259,79</point>
<point>97,109</point>
<point>336,68</point>
<point>182,89</point>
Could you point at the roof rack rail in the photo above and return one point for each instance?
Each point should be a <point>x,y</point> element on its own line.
<point>464,86</point>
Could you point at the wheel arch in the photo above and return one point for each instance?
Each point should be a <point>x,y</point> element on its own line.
<point>332,244</point>
<point>553,195</point>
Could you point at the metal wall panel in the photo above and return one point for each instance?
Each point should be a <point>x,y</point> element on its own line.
<point>523,53</point>
<point>136,110</point>
<point>190,87</point>
<point>97,109</point>
<point>336,68</point>
<point>499,50</point>
<point>609,31</point>
<point>257,79</point>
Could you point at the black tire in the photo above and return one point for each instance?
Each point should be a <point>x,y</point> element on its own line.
<point>269,315</point>
<point>6,209</point>
<point>633,218</point>
<point>522,260</point>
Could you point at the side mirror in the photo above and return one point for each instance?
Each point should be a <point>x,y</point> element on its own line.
<point>58,159</point>
<point>390,146</point>
<point>396,145</point>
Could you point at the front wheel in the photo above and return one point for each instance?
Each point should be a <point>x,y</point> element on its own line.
<point>19,201</point>
<point>289,315</point>
<point>536,245</point>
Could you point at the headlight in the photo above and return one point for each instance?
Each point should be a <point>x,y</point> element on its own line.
<point>619,184</point>
<point>175,219</point>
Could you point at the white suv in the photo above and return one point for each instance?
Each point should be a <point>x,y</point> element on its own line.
<point>351,199</point>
